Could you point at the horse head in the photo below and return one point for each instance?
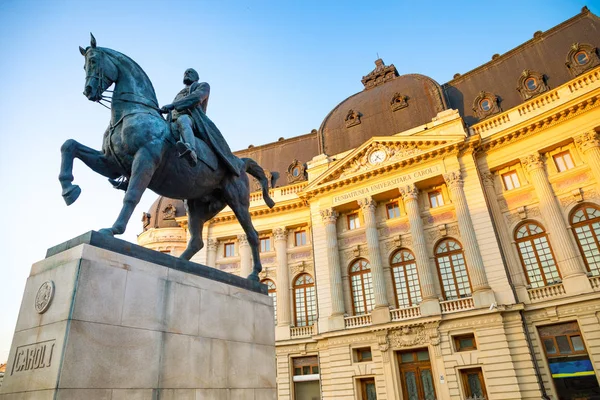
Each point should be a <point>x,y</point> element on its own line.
<point>100,71</point>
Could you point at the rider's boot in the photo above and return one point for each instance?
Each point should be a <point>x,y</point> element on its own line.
<point>186,151</point>
<point>119,183</point>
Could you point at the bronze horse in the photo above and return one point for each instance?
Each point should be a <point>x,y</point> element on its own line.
<point>139,145</point>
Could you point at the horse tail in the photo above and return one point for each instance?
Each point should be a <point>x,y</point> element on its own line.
<point>256,171</point>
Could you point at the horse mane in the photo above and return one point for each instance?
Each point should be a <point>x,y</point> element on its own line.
<point>133,65</point>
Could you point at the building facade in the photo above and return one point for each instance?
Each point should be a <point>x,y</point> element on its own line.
<point>434,241</point>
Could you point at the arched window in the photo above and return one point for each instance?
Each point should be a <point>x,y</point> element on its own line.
<point>305,304</point>
<point>406,280</point>
<point>361,282</point>
<point>272,294</point>
<point>450,261</point>
<point>536,255</point>
<point>586,225</point>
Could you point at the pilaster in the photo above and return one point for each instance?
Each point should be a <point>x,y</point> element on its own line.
<point>211,252</point>
<point>336,319</point>
<point>245,256</point>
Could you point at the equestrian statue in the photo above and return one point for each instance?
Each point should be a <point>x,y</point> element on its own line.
<point>182,157</point>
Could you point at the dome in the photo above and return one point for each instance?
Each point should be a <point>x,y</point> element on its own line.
<point>162,213</point>
<point>389,104</point>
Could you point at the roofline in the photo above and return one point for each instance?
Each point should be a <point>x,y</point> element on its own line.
<point>585,12</point>
<point>274,144</point>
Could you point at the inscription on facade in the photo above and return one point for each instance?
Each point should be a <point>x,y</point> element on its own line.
<point>33,356</point>
<point>382,186</point>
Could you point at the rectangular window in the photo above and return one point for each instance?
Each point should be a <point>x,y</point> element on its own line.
<point>511,180</point>
<point>306,366</point>
<point>300,238</point>
<point>229,250</point>
<point>473,385</point>
<point>563,161</point>
<point>436,199</point>
<point>393,211</point>
<point>265,244</point>
<point>367,389</point>
<point>353,221</point>
<point>465,342</point>
<point>363,354</point>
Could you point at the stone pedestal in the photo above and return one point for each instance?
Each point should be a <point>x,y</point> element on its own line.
<point>105,319</point>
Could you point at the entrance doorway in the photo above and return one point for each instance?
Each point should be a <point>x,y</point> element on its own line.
<point>416,375</point>
<point>571,368</point>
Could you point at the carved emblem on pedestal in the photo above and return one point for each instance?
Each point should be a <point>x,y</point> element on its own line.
<point>44,296</point>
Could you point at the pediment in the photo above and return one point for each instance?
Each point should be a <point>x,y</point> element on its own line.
<point>382,152</point>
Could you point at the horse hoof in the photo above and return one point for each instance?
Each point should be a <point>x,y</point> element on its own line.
<point>253,277</point>
<point>106,231</point>
<point>71,194</point>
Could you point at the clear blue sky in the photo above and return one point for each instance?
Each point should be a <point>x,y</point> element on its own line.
<point>276,68</point>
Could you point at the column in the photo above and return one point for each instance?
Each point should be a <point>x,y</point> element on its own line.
<point>211,252</point>
<point>515,268</point>
<point>589,144</point>
<point>430,304</point>
<point>381,312</point>
<point>482,294</point>
<point>280,236</point>
<point>336,320</point>
<point>245,256</point>
<point>567,257</point>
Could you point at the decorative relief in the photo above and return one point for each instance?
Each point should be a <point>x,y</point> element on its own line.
<point>408,336</point>
<point>381,74</point>
<point>531,83</point>
<point>329,216</point>
<point>581,57</point>
<point>268,260</point>
<point>587,140</point>
<point>296,172</point>
<point>486,104</point>
<point>231,267</point>
<point>399,241</point>
<point>435,234</point>
<point>524,198</point>
<point>44,297</point>
<point>169,212</point>
<point>299,256</point>
<point>353,240</point>
<point>453,179</point>
<point>352,118</point>
<point>576,196</point>
<point>574,180</point>
<point>439,218</point>
<point>301,268</point>
<point>33,356</point>
<point>243,239</point>
<point>398,102</point>
<point>488,179</point>
<point>532,161</point>
<point>521,213</point>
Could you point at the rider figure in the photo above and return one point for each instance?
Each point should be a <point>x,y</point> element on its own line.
<point>189,113</point>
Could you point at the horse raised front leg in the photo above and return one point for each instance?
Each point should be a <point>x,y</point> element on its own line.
<point>142,170</point>
<point>94,159</point>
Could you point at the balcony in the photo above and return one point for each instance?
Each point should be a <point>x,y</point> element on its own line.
<point>546,292</point>
<point>595,282</point>
<point>456,305</point>
<point>401,314</point>
<point>357,321</point>
<point>301,331</point>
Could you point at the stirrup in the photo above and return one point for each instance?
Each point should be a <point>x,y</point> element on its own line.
<point>186,151</point>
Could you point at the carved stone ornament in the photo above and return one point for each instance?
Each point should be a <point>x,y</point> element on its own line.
<point>300,268</point>
<point>398,102</point>
<point>280,234</point>
<point>243,240</point>
<point>581,57</point>
<point>367,204</point>
<point>587,140</point>
<point>296,172</point>
<point>486,104</point>
<point>145,219</point>
<point>211,245</point>
<point>415,335</point>
<point>532,161</point>
<point>453,179</point>
<point>352,118</point>
<point>531,83</point>
<point>329,216</point>
<point>409,192</point>
<point>44,297</point>
<point>381,74</point>
<point>169,212</point>
<point>488,179</point>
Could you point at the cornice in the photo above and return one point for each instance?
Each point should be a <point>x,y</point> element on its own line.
<point>543,122</point>
<point>279,207</point>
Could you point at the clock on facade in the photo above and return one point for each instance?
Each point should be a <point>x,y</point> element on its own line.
<point>378,156</point>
